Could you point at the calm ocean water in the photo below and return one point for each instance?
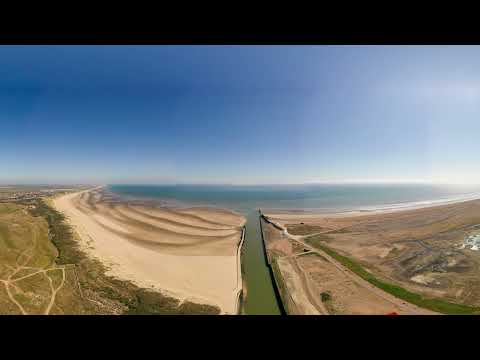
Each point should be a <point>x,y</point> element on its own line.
<point>315,197</point>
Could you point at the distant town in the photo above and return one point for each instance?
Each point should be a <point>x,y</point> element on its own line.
<point>19,193</point>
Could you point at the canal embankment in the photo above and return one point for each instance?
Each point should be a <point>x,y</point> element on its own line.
<point>277,282</point>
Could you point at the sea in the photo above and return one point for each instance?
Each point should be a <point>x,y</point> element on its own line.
<point>262,297</point>
<point>319,197</point>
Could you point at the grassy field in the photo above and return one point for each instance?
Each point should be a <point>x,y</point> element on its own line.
<point>44,272</point>
<point>30,277</point>
<point>437,305</point>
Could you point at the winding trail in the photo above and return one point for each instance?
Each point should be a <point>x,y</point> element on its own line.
<point>54,290</point>
<point>314,300</point>
<point>10,281</point>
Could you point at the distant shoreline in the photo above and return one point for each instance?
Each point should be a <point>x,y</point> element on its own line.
<point>375,209</point>
<point>322,199</point>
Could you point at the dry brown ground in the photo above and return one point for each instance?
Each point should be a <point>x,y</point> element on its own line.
<point>312,283</point>
<point>419,248</point>
<point>296,295</point>
<point>346,296</point>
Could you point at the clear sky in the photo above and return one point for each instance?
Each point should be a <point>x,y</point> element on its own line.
<point>238,114</point>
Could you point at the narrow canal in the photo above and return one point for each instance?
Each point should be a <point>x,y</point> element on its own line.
<point>261,297</point>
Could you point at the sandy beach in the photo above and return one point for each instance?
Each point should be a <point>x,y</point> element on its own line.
<point>189,253</point>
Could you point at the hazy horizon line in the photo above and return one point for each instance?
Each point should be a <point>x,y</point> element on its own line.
<point>199,183</point>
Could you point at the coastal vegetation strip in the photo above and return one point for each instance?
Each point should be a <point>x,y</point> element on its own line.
<point>437,305</point>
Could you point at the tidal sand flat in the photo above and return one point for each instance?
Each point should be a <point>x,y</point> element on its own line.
<point>188,253</point>
<point>415,253</point>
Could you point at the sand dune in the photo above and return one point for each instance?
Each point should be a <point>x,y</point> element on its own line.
<point>188,253</point>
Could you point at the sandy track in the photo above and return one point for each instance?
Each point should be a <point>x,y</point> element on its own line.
<point>186,254</point>
<point>297,290</point>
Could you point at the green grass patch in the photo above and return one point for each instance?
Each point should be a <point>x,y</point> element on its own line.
<point>437,305</point>
<point>304,229</point>
<point>5,240</point>
<point>325,296</point>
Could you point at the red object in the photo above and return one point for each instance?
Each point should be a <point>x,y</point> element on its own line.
<point>392,313</point>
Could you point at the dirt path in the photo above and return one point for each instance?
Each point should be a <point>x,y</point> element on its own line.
<point>10,281</point>
<point>54,290</point>
<point>314,300</point>
<point>404,306</point>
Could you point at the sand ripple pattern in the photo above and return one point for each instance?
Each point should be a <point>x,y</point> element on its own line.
<point>188,253</point>
<point>192,231</point>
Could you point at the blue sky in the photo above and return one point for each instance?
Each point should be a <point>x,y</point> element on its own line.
<point>238,114</point>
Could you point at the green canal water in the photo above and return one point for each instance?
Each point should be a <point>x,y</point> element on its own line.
<point>261,298</point>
